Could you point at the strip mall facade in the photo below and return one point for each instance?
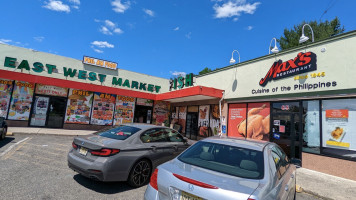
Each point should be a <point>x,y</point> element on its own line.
<point>302,99</point>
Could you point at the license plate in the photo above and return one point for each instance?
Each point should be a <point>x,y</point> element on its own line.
<point>187,196</point>
<point>83,151</point>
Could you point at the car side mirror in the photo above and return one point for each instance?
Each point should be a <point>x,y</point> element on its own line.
<point>297,162</point>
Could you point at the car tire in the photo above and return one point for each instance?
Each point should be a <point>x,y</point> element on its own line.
<point>3,134</point>
<point>140,173</point>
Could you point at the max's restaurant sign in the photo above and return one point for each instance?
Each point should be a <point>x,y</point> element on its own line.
<point>82,74</point>
<point>99,63</point>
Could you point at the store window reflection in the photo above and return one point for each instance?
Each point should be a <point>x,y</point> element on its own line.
<point>311,127</point>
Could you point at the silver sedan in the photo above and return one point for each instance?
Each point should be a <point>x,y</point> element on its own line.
<point>125,153</point>
<point>225,168</point>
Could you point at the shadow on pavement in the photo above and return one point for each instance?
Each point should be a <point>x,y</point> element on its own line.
<point>6,141</point>
<point>102,187</point>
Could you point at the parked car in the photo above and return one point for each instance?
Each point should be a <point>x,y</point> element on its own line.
<point>225,168</point>
<point>3,128</point>
<point>125,153</point>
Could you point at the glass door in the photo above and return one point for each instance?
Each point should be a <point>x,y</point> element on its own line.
<point>286,126</point>
<point>56,112</point>
<point>39,111</point>
<point>192,126</point>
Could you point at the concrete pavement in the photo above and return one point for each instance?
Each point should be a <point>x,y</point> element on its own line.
<point>316,183</point>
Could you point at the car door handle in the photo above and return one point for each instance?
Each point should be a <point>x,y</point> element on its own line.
<point>286,188</point>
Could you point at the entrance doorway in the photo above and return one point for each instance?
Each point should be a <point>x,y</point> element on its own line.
<point>191,130</point>
<point>286,127</point>
<point>48,111</point>
<point>143,114</point>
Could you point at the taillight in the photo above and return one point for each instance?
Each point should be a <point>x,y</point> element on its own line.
<point>104,152</point>
<point>153,180</point>
<point>195,182</point>
<point>74,145</point>
<point>251,199</point>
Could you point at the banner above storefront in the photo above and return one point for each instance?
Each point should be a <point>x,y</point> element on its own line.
<point>99,63</point>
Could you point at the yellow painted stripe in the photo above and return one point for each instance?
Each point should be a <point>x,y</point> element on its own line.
<point>339,144</point>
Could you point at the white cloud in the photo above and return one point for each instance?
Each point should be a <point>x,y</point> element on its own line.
<point>189,35</point>
<point>75,1</point>
<point>5,41</point>
<point>75,7</point>
<point>234,8</point>
<point>105,30</point>
<point>39,38</point>
<point>120,7</point>
<point>175,73</point>
<point>176,28</point>
<point>57,6</point>
<point>102,44</point>
<point>118,31</point>
<point>98,50</point>
<point>249,28</point>
<point>96,20</point>
<point>149,12</point>
<point>110,24</point>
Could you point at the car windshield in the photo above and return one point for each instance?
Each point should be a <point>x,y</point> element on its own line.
<point>118,133</point>
<point>232,160</point>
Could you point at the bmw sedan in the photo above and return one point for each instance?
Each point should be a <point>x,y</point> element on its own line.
<point>125,153</point>
<point>225,168</point>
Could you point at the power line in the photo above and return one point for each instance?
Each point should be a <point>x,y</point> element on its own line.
<point>330,5</point>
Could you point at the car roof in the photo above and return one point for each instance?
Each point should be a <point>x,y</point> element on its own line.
<point>144,126</point>
<point>242,142</point>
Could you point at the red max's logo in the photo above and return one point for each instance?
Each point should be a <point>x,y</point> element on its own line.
<point>304,62</point>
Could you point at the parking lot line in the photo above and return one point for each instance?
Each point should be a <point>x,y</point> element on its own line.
<point>12,146</point>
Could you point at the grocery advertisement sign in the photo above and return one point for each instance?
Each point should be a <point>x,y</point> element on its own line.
<point>5,94</point>
<point>258,121</point>
<point>124,110</point>
<point>79,106</point>
<point>21,101</point>
<point>237,120</point>
<point>161,113</point>
<point>103,109</point>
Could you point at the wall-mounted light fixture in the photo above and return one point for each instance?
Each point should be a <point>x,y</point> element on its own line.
<point>232,60</point>
<point>275,48</point>
<point>304,38</point>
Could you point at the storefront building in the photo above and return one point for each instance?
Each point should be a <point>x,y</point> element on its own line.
<point>303,99</point>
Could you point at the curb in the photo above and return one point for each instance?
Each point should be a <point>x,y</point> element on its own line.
<point>9,133</point>
<point>55,134</point>
<point>317,195</point>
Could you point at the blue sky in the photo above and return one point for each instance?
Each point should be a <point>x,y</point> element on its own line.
<point>160,37</point>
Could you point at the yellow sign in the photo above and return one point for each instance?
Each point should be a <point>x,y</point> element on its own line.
<point>99,63</point>
<point>339,144</point>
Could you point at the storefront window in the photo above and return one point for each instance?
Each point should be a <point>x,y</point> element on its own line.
<point>214,120</point>
<point>103,109</point>
<point>258,121</point>
<point>5,94</point>
<point>182,116</point>
<point>237,120</point>
<point>161,113</point>
<point>311,127</point>
<point>339,127</point>
<point>21,101</point>
<point>125,109</point>
<point>78,107</point>
<point>203,121</point>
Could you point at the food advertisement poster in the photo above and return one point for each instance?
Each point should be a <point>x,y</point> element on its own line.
<point>161,113</point>
<point>78,107</point>
<point>182,115</point>
<point>5,95</point>
<point>203,121</point>
<point>21,101</point>
<point>258,121</point>
<point>214,120</point>
<point>236,121</point>
<point>51,90</point>
<point>125,109</point>
<point>103,109</point>
<point>39,113</point>
<point>339,123</point>
<point>144,102</point>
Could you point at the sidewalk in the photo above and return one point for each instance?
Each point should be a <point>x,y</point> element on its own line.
<point>316,183</point>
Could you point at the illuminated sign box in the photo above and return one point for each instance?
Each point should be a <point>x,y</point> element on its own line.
<point>99,63</point>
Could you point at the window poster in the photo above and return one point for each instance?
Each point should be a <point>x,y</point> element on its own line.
<point>103,109</point>
<point>51,90</point>
<point>258,121</point>
<point>5,94</point>
<point>215,119</point>
<point>182,116</point>
<point>339,124</point>
<point>78,107</point>
<point>39,113</point>
<point>124,110</point>
<point>237,120</point>
<point>203,121</point>
<point>144,102</point>
<point>161,113</point>
<point>21,101</point>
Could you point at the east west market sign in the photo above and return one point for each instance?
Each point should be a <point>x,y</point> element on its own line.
<point>38,67</point>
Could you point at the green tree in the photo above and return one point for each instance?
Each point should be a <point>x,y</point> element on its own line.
<point>322,30</point>
<point>205,70</point>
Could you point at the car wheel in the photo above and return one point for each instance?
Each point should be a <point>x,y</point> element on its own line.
<point>140,173</point>
<point>3,134</point>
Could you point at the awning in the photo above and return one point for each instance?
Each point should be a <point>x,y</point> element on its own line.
<point>196,93</point>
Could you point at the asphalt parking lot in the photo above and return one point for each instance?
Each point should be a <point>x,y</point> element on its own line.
<point>35,167</point>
